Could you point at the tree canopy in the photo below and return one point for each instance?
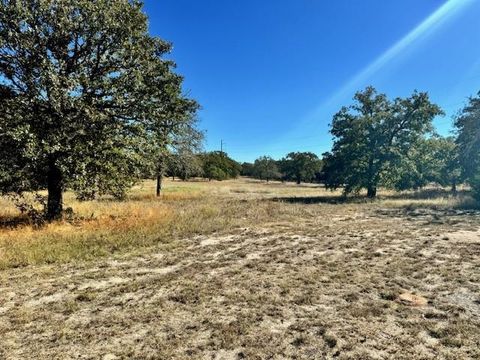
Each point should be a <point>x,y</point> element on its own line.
<point>247,169</point>
<point>218,166</point>
<point>300,166</point>
<point>372,135</point>
<point>431,160</point>
<point>83,89</point>
<point>265,168</point>
<point>468,140</point>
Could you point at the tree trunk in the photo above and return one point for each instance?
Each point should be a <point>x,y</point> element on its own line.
<point>55,192</point>
<point>298,181</point>
<point>372,179</point>
<point>371,191</point>
<point>159,184</point>
<point>454,188</point>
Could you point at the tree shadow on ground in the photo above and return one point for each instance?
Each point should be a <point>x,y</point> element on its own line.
<point>466,219</point>
<point>309,200</point>
<point>14,221</point>
<point>278,183</point>
<point>425,194</point>
<point>460,200</point>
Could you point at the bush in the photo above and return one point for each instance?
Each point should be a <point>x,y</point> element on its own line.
<point>217,165</point>
<point>475,185</point>
<point>216,173</point>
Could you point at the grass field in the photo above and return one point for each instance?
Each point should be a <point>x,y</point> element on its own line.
<point>244,270</point>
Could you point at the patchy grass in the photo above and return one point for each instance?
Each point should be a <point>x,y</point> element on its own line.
<point>243,269</point>
<point>106,226</point>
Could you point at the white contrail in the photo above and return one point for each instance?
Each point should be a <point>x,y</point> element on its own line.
<point>427,27</point>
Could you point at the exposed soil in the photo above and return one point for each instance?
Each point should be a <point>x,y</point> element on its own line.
<point>359,282</point>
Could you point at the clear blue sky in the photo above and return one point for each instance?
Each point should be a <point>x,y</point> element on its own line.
<point>269,74</point>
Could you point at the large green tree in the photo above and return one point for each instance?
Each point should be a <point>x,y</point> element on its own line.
<point>82,85</point>
<point>447,162</point>
<point>468,140</point>
<point>373,134</point>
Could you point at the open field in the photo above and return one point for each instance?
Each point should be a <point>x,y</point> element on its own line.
<point>244,269</point>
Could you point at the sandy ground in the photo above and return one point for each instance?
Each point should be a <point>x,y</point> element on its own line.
<point>358,282</point>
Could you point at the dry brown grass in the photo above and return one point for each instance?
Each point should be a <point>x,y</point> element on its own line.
<point>244,269</point>
<point>106,226</point>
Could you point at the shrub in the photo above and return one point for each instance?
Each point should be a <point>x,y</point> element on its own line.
<point>475,185</point>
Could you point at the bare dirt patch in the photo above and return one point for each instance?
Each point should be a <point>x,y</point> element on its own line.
<point>319,281</point>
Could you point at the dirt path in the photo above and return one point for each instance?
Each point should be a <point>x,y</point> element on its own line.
<point>318,288</point>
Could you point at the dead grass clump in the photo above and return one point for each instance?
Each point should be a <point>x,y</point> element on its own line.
<point>410,299</point>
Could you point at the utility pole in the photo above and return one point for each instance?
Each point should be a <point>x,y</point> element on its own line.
<point>221,146</point>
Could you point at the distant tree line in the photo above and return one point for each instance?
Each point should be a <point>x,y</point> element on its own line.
<point>214,165</point>
<point>295,166</point>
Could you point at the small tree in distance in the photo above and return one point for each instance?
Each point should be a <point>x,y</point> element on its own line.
<point>247,169</point>
<point>175,150</point>
<point>265,168</point>
<point>218,166</point>
<point>300,166</point>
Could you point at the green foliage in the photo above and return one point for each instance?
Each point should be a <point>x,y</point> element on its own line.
<point>475,185</point>
<point>83,91</point>
<point>96,177</point>
<point>247,169</point>
<point>468,141</point>
<point>373,135</point>
<point>215,173</point>
<point>300,166</point>
<point>447,167</point>
<point>175,140</point>
<point>265,168</point>
<point>432,160</point>
<point>184,165</point>
<point>218,166</point>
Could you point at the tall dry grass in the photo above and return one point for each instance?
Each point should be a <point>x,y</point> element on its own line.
<point>106,226</point>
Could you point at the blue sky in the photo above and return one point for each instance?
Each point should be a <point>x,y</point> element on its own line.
<point>270,74</point>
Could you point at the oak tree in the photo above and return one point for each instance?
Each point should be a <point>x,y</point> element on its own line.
<point>372,134</point>
<point>82,83</point>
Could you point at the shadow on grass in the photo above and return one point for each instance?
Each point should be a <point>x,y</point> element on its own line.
<point>430,216</point>
<point>278,183</point>
<point>309,200</point>
<point>13,222</point>
<point>460,200</point>
<point>425,194</point>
